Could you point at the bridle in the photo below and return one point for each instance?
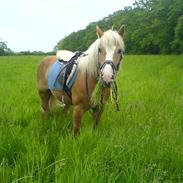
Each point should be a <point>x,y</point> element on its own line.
<point>115,69</point>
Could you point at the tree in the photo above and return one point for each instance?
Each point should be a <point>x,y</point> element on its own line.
<point>144,4</point>
<point>4,50</point>
<point>177,44</point>
<point>152,27</point>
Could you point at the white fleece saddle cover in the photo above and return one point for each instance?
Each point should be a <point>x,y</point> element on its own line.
<point>64,55</point>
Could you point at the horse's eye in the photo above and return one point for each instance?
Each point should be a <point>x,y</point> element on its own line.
<point>99,50</point>
<point>120,51</point>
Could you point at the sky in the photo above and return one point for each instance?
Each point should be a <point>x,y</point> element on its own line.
<point>40,24</point>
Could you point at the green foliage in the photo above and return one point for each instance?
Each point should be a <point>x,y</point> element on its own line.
<point>36,53</point>
<point>96,98</point>
<point>141,143</point>
<point>177,44</point>
<point>152,27</point>
<point>4,50</point>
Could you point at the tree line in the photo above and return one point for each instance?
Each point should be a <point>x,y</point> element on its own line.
<point>5,51</point>
<point>152,27</point>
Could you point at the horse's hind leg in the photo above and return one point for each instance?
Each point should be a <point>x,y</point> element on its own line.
<point>45,97</point>
<point>66,109</point>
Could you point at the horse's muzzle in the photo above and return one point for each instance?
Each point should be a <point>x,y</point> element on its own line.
<point>107,80</point>
<point>107,73</point>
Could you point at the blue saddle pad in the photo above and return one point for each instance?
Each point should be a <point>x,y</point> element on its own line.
<point>58,78</point>
<point>53,82</point>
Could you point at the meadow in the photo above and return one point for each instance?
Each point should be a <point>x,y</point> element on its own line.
<point>141,143</point>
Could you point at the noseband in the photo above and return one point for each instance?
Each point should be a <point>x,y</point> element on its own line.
<point>110,63</point>
<point>114,69</point>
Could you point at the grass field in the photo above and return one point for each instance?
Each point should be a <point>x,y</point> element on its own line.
<point>141,143</point>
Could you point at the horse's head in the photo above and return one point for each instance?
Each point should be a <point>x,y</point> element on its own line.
<point>110,53</point>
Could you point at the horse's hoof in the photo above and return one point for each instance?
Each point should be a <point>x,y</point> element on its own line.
<point>75,133</point>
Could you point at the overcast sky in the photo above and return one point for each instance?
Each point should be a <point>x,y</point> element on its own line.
<point>40,24</point>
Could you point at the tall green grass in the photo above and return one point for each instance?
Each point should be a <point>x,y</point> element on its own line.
<point>141,143</point>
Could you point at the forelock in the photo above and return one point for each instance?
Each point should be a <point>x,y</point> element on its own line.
<point>112,38</point>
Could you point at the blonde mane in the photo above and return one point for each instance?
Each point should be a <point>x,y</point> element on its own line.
<point>90,62</point>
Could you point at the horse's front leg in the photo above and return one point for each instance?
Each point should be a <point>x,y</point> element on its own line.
<point>96,112</point>
<point>77,116</point>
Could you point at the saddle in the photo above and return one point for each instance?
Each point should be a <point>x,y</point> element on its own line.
<point>63,73</point>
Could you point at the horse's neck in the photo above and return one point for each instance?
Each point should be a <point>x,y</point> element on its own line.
<point>90,83</point>
<point>89,63</point>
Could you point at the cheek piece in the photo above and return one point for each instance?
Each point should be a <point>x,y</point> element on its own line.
<point>120,60</point>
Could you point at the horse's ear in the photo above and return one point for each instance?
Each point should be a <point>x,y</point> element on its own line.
<point>99,32</point>
<point>121,30</point>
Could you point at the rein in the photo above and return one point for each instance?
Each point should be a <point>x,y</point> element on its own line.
<point>114,95</point>
<point>86,82</point>
<point>113,85</point>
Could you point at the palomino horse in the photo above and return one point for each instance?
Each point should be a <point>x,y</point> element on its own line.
<point>101,62</point>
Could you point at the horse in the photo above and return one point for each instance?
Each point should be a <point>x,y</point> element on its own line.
<point>100,62</point>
